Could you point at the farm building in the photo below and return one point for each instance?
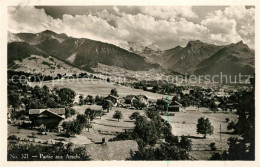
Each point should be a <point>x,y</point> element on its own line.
<point>129,99</point>
<point>175,107</point>
<point>114,99</point>
<point>48,117</point>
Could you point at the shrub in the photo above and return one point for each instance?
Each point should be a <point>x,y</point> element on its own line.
<point>227,119</point>
<point>212,146</point>
<point>134,115</point>
<point>231,125</point>
<point>13,137</point>
<point>118,115</point>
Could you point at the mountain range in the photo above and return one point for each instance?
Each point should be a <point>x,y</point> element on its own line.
<point>195,58</point>
<point>201,58</point>
<point>83,53</point>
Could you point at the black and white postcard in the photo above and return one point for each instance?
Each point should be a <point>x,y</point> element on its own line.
<point>158,84</point>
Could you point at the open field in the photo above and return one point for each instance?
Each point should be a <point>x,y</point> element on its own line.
<point>95,87</point>
<point>184,123</point>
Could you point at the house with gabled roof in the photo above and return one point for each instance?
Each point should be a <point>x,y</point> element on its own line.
<point>50,117</point>
<point>175,107</point>
<point>114,99</point>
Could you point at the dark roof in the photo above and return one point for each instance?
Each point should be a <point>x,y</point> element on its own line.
<point>42,114</point>
<point>111,96</point>
<point>59,111</point>
<point>141,96</point>
<point>129,97</point>
<point>110,102</point>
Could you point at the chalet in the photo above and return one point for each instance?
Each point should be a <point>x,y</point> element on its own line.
<point>175,107</point>
<point>129,99</point>
<point>114,99</point>
<point>50,117</point>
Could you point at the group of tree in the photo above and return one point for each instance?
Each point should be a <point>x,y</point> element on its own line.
<point>155,139</point>
<point>91,114</point>
<point>75,126</point>
<point>241,148</point>
<point>37,97</point>
<point>99,100</point>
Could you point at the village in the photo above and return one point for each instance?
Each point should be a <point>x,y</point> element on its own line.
<point>103,122</point>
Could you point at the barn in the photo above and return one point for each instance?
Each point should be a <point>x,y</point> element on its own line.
<point>50,118</point>
<point>175,107</point>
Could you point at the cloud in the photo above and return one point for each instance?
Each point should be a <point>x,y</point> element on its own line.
<point>169,12</point>
<point>156,27</point>
<point>231,25</point>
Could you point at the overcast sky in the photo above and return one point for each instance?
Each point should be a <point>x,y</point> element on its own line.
<point>156,27</point>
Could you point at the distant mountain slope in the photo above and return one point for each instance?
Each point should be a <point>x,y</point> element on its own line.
<point>184,60</point>
<point>232,59</point>
<point>48,66</point>
<point>84,53</point>
<point>20,51</point>
<point>35,39</point>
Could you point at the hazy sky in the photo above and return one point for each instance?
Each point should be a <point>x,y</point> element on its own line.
<point>125,26</point>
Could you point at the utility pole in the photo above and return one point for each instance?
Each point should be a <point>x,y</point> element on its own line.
<point>220,133</point>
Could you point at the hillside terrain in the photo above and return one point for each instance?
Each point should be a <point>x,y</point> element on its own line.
<point>195,58</point>
<point>231,60</point>
<point>83,53</point>
<point>48,66</point>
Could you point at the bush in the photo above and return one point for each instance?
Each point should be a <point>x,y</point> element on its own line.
<point>227,119</point>
<point>231,125</point>
<point>13,137</point>
<point>118,115</point>
<point>123,136</point>
<point>212,146</point>
<point>134,115</point>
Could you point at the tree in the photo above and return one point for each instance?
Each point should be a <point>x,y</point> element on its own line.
<point>231,125</point>
<point>100,113</point>
<point>135,115</point>
<point>14,100</point>
<point>90,114</point>
<point>152,113</point>
<point>138,104</point>
<point>114,92</point>
<point>81,101</point>
<point>69,112</point>
<point>162,104</point>
<point>204,127</point>
<point>66,95</point>
<point>90,99</point>
<point>75,126</point>
<point>107,105</point>
<point>118,115</point>
<point>212,146</point>
<point>185,143</point>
